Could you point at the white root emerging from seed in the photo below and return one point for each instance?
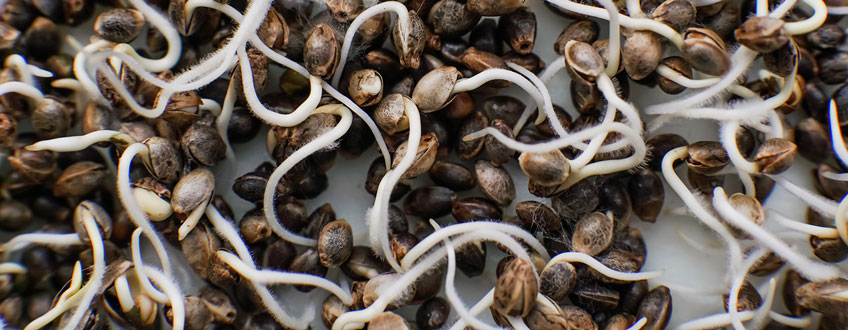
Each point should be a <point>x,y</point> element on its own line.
<point>389,6</point>
<point>12,268</point>
<point>698,209</point>
<point>437,237</point>
<point>229,233</point>
<point>818,231</point>
<point>277,277</point>
<point>81,298</point>
<point>601,268</point>
<point>51,240</point>
<point>815,271</point>
<point>318,143</point>
<point>450,288</point>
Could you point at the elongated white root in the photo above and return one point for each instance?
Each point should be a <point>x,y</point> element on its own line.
<point>815,271</point>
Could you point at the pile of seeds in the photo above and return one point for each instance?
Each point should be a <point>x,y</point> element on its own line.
<point>126,140</point>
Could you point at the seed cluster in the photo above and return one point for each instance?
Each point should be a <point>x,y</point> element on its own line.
<point>162,118</point>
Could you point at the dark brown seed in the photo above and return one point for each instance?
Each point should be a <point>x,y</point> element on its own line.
<point>34,166</point>
<point>363,264</point>
<point>14,215</point>
<point>243,126</point>
<point>577,201</point>
<point>366,87</point>
<point>503,107</point>
<point>594,297</point>
<point>516,289</point>
<point>656,307</point>
<point>452,175</point>
<point>660,145</point>
<point>529,61</point>
<point>614,197</point>
<point>425,155</point>
<point>546,314</point>
<point>748,299</point>
<point>469,149</point>
<point>537,215</point>
<point>291,213</point>
<point>783,60</point>
<point>8,129</point>
<point>812,134</point>
<point>476,208</point>
<point>410,44</point>
<point>254,227</point>
<point>164,161</point>
<point>375,174</point>
<point>791,283</point>
<point>79,179</point>
<point>192,190</point>
<point>583,62</point>
<point>546,127</point>
<point>547,169</point>
<point>775,156</point>
<point>379,283</point>
<point>620,322</point>
<point>557,280</point>
<point>461,106</point>
<point>42,38</point>
<point>12,308</point>
<point>493,7</point>
<point>829,249</point>
<point>219,305</point>
<point>18,14</point>
<point>647,195</point>
<point>707,157</point>
<point>331,309</point>
<point>389,321</point>
<point>767,265</point>
<point>578,319</point>
<point>119,25</point>
<point>583,30</point>
<point>641,54</point>
<point>279,255</point>
<point>704,183</point>
<point>677,14</point>
<point>199,246</point>
<point>321,51</point>
<point>827,36</point>
<point>818,296</point>
<point>450,18</point>
<point>219,273</point>
<point>585,98</point>
<point>202,144</point>
<point>495,182</point>
<point>485,37</point>
<point>499,153</point>
<point>681,67</point>
<point>308,262</point>
<point>632,295</point>
<point>834,189</point>
<point>51,118</point>
<point>763,34</point>
<point>593,234</point>
<point>274,32</point>
<point>478,61</point>
<point>519,30</point>
<point>705,51</point>
<point>101,217</point>
<point>335,243</point>
<point>471,259</point>
<point>433,91</point>
<point>429,202</point>
<point>432,314</point>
